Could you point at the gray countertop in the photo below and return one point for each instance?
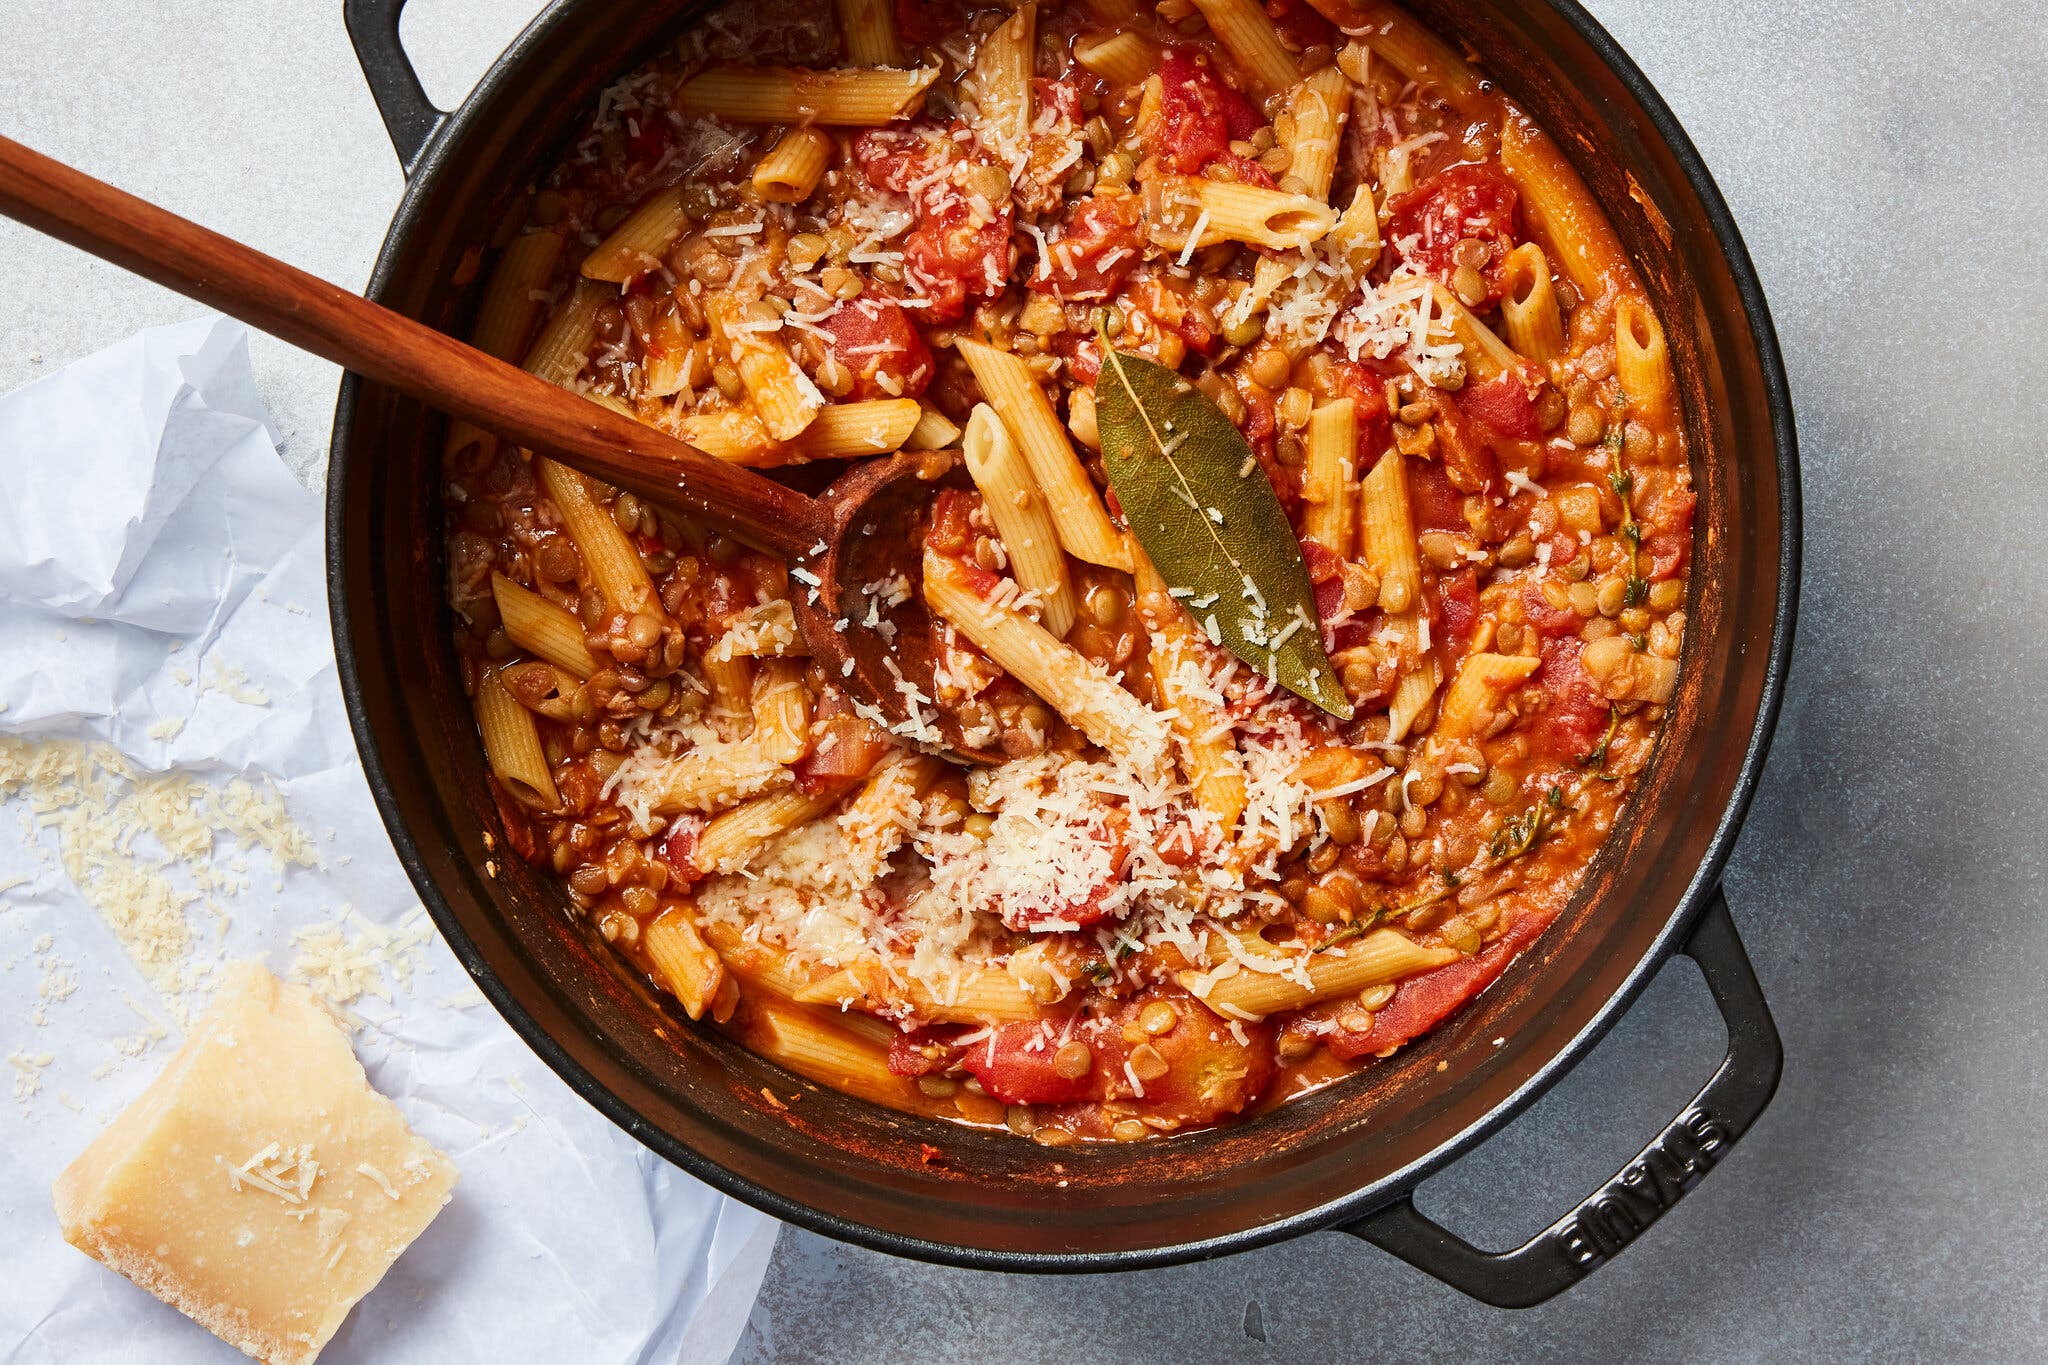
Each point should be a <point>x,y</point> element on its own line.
<point>1889,166</point>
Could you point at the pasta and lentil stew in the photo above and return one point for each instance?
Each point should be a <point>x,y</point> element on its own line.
<point>1187,893</point>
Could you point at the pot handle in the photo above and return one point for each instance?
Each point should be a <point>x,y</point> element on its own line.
<point>409,116</point>
<point>1615,1214</point>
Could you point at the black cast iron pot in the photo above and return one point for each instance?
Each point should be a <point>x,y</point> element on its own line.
<point>1345,1158</point>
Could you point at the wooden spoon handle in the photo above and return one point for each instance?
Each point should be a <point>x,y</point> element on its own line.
<point>394,350</point>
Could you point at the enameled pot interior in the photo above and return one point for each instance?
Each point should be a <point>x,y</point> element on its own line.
<point>936,1190</point>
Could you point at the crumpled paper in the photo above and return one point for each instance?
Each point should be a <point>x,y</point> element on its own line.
<point>161,593</point>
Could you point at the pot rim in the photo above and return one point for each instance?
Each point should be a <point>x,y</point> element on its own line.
<point>1365,1199</point>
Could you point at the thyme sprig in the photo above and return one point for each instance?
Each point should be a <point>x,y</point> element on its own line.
<point>1597,759</point>
<point>1623,482</point>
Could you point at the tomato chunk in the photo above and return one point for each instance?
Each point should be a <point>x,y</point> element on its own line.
<point>1473,200</point>
<point>1437,505</point>
<point>1094,249</point>
<point>874,338</point>
<point>1015,1064</point>
<point>953,253</point>
<point>1199,115</point>
<point>1507,403</point>
<point>1568,727</point>
<point>1422,1002</point>
<point>1457,609</point>
<point>845,744</point>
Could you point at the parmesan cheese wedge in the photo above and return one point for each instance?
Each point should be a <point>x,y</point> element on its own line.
<point>259,1186</point>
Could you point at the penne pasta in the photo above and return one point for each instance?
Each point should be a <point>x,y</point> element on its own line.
<point>1380,956</point>
<point>1185,213</point>
<point>734,838</point>
<point>784,397</point>
<point>512,745</point>
<point>868,28</point>
<point>1388,534</point>
<point>1126,58</point>
<point>876,820</point>
<point>1001,81</point>
<point>504,320</point>
<point>683,961</point>
<point>1486,355</point>
<point>563,347</point>
<point>1562,211</point>
<point>839,431</point>
<point>1413,51</point>
<point>1215,770</point>
<point>641,239</point>
<point>1528,307</point>
<point>542,688</point>
<point>1357,233</point>
<point>850,98</point>
<point>934,430</point>
<point>1329,479</point>
<point>1475,694</point>
<point>711,778</point>
<point>976,995</point>
<point>782,710</point>
<point>1252,42</point>
<point>1070,683</point>
<point>1642,361</point>
<point>822,1049</point>
<point>1320,105</point>
<point>765,968</point>
<point>1021,516</point>
<point>668,360</point>
<point>730,678</point>
<point>541,628</point>
<point>794,165</point>
<point>1413,694</point>
<point>1078,515</point>
<point>608,557</point>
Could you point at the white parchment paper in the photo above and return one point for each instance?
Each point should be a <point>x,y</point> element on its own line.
<point>161,593</point>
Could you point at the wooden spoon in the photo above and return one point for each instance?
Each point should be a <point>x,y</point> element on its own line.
<point>861,531</point>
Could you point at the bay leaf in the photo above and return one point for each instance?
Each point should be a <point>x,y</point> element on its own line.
<point>1199,503</point>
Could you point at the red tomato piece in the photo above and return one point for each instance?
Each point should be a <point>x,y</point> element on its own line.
<point>1083,911</point>
<point>1568,727</point>
<point>1097,245</point>
<point>845,744</point>
<point>1422,1002</point>
<point>1457,609</point>
<point>925,1051</point>
<point>1667,534</point>
<point>679,847</point>
<point>1473,200</point>
<point>953,260</point>
<point>1506,403</point>
<point>1546,620</point>
<point>1062,96</point>
<point>1437,505</point>
<point>1015,1065</point>
<point>1199,115</point>
<point>873,336</point>
<point>1249,172</point>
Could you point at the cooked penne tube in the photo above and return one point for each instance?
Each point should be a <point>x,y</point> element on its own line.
<point>1562,211</point>
<point>1642,360</point>
<point>784,397</point>
<point>1475,694</point>
<point>714,777</point>
<point>1001,80</point>
<point>504,320</point>
<point>563,347</point>
<point>869,30</point>
<point>766,968</point>
<point>1252,42</point>
<point>1388,538</point>
<point>1413,51</point>
<point>639,242</point>
<point>610,559</point>
<point>1486,355</point>
<point>1021,516</point>
<point>978,995</point>
<point>1078,515</point>
<point>840,431</point>
<point>730,679</point>
<point>782,710</point>
<point>1377,957</point>
<point>683,961</point>
<point>542,688</point>
<point>848,98</point>
<point>512,745</point>
<point>879,816</point>
<point>1215,771</point>
<point>794,165</point>
<point>1329,479</point>
<point>1072,684</point>
<point>668,362</point>
<point>734,838</point>
<point>1412,694</point>
<point>1124,58</point>
<point>540,627</point>
<point>821,1049</point>
<point>1321,105</point>
<point>1357,233</point>
<point>934,430</point>
<point>1528,306</point>
<point>1184,213</point>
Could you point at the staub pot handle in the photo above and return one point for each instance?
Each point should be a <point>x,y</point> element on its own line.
<point>409,116</point>
<point>1615,1214</point>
